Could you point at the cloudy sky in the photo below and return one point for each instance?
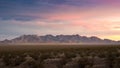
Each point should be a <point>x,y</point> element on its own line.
<point>84,17</point>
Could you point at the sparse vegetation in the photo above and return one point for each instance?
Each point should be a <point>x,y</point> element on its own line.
<point>59,56</point>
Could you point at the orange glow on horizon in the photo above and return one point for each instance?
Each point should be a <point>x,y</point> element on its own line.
<point>112,37</point>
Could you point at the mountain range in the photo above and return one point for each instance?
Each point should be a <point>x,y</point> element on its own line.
<point>59,39</point>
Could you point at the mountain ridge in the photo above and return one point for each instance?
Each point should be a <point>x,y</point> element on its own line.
<point>59,39</point>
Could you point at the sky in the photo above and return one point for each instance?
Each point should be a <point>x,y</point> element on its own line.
<point>99,18</point>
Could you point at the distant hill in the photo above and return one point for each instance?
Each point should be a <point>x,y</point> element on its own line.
<point>59,39</point>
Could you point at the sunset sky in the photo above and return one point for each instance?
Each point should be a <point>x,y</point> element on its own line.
<point>99,18</point>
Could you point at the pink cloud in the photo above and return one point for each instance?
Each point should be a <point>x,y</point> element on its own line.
<point>88,21</point>
<point>91,19</point>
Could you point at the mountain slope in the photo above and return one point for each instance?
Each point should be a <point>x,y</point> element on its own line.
<point>58,39</point>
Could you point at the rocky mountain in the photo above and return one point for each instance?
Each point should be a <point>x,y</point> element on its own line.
<point>59,39</point>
